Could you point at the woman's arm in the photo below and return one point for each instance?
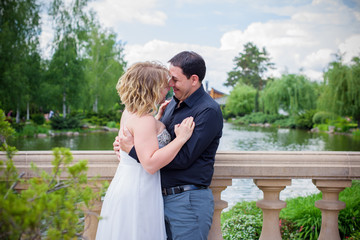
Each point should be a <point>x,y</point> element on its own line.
<point>145,139</point>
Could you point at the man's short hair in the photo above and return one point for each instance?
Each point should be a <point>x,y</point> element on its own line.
<point>191,63</point>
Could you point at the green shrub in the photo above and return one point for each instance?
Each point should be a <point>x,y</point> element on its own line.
<point>59,123</point>
<point>322,127</point>
<point>29,131</point>
<point>246,227</point>
<point>349,218</point>
<point>288,122</point>
<point>111,124</point>
<point>306,217</point>
<point>259,117</point>
<point>38,119</point>
<point>48,208</point>
<point>243,221</point>
<point>322,117</point>
<point>305,120</point>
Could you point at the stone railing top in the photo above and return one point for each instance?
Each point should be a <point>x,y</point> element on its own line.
<point>228,165</point>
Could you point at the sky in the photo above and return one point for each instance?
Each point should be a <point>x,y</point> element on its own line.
<point>301,36</point>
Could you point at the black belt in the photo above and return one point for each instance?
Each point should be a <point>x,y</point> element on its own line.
<point>180,189</point>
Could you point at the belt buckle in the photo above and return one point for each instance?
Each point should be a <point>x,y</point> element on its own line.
<point>164,192</point>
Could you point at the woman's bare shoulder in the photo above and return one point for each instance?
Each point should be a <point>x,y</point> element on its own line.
<point>141,123</point>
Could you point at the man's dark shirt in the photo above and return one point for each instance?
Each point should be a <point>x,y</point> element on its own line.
<point>194,164</point>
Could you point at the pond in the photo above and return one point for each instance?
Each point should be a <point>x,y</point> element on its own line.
<point>240,138</point>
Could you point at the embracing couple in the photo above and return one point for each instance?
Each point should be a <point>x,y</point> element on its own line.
<point>161,187</point>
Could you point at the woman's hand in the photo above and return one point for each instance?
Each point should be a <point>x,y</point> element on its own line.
<point>162,109</point>
<point>185,129</point>
<point>116,146</point>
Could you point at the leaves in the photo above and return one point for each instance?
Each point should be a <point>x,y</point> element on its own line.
<point>52,206</point>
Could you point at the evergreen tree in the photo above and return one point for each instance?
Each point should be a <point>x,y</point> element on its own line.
<point>250,67</point>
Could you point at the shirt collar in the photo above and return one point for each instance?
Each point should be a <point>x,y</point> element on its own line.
<point>192,99</point>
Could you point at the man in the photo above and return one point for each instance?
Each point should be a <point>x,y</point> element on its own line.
<point>188,202</point>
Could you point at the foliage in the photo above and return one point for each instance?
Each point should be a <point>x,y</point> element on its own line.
<point>104,65</point>
<point>341,93</point>
<point>38,119</point>
<point>288,122</point>
<point>305,120</point>
<point>291,93</point>
<point>246,227</point>
<point>243,221</point>
<point>19,55</point>
<point>241,101</point>
<point>111,124</point>
<point>306,218</point>
<point>303,213</point>
<point>349,220</point>
<point>54,203</point>
<point>356,133</point>
<point>58,123</point>
<point>49,208</point>
<point>250,67</point>
<point>259,117</point>
<point>322,117</point>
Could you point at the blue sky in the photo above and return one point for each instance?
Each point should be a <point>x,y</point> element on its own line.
<point>298,34</point>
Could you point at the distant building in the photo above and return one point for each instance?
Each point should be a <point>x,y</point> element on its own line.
<point>218,96</point>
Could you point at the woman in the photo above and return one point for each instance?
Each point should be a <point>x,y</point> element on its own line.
<point>133,205</point>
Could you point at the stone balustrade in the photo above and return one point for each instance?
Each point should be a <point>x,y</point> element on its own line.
<point>331,172</point>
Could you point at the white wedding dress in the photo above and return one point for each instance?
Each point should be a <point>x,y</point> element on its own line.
<point>133,207</point>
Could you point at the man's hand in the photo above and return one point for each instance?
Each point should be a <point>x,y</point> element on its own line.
<point>126,140</point>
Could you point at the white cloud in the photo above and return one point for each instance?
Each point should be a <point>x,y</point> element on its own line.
<point>113,12</point>
<point>318,59</point>
<point>305,41</point>
<point>351,47</point>
<point>218,62</point>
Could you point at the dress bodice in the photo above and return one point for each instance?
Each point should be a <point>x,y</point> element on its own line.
<point>163,138</point>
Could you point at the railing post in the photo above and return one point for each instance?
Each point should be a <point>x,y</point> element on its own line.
<point>330,206</point>
<point>271,206</point>
<point>217,186</point>
<point>91,220</point>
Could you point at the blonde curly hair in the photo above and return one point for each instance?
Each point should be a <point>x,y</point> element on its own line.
<point>140,87</point>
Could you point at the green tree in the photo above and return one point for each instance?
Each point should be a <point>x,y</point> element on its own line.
<point>250,68</point>
<point>241,101</point>
<point>66,67</point>
<point>291,93</point>
<point>104,65</point>
<point>341,93</point>
<point>19,32</point>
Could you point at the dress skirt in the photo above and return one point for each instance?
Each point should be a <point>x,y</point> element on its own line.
<point>133,206</point>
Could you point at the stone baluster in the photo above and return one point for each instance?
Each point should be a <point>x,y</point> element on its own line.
<point>271,206</point>
<point>217,186</point>
<point>91,221</point>
<point>330,206</point>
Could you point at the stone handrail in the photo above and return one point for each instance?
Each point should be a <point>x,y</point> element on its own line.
<point>331,172</point>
